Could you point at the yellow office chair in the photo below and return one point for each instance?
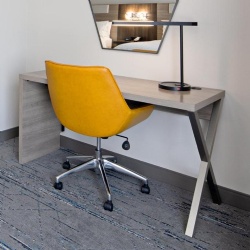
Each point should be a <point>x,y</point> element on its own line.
<point>87,100</point>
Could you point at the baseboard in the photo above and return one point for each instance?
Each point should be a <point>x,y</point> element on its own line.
<point>9,134</point>
<point>228,196</point>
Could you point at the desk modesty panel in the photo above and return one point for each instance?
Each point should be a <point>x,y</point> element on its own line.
<point>39,129</point>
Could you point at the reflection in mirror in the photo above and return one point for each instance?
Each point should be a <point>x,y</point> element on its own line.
<point>135,38</point>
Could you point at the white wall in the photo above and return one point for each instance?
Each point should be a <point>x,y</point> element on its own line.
<point>216,56</point>
<point>13,27</point>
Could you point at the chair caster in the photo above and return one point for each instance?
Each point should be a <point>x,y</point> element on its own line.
<point>58,185</point>
<point>126,145</point>
<point>108,205</point>
<point>66,165</point>
<point>145,189</point>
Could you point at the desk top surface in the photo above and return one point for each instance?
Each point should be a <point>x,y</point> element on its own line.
<point>148,91</point>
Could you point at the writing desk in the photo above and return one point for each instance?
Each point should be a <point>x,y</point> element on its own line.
<point>39,129</point>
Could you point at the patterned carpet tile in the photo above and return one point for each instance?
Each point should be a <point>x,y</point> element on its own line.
<point>33,215</point>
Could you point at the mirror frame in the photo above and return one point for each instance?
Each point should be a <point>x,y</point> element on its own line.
<point>110,2</point>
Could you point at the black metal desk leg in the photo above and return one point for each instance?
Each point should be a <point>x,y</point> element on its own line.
<point>213,186</point>
<point>212,128</point>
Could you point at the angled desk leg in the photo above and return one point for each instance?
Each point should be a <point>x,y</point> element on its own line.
<point>205,148</point>
<point>39,129</point>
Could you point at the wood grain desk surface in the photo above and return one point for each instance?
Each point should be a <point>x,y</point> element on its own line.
<point>148,91</point>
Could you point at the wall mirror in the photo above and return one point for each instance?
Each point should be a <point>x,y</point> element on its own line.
<point>134,38</point>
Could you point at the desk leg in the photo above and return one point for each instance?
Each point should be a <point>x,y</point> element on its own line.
<point>196,199</point>
<point>205,148</point>
<point>39,129</point>
<point>210,143</point>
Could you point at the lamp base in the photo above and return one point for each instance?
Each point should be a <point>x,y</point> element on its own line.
<point>175,86</point>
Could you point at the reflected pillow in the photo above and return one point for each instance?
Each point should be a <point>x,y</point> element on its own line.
<point>106,42</point>
<point>104,28</point>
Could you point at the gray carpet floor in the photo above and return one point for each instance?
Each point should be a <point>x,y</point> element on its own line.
<point>33,215</point>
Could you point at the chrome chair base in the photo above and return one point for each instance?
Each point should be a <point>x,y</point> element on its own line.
<point>100,162</point>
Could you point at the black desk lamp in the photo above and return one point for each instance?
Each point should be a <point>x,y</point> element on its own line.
<point>176,86</point>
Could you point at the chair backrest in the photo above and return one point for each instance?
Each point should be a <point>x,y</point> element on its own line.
<point>86,99</point>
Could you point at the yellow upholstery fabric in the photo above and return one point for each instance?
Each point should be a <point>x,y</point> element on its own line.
<point>87,100</point>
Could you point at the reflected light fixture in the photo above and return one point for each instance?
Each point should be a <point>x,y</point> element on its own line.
<point>136,16</point>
